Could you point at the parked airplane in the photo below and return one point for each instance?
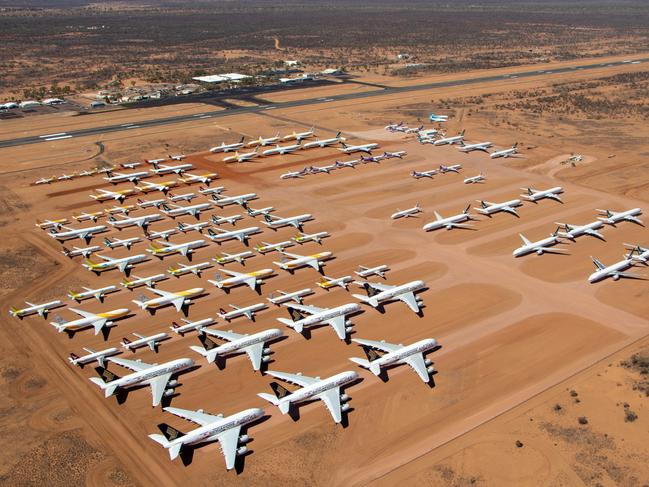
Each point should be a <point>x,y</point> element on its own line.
<point>76,251</point>
<point>241,199</point>
<point>243,157</point>
<point>300,135</point>
<point>133,177</point>
<point>146,186</point>
<point>161,169</point>
<point>192,227</point>
<point>48,224</point>
<point>322,143</point>
<point>163,234</point>
<point>438,118</point>
<point>151,341</point>
<point>109,263</point>
<point>175,198</point>
<point>178,157</point>
<point>488,208</point>
<point>211,428</point>
<point>40,309</point>
<point>540,246</point>
<point>95,320</point>
<point>456,139</point>
<point>366,272</point>
<point>150,203</point>
<point>412,354</point>
<point>394,155</point>
<point>158,376</point>
<point>612,217</point>
<point>322,169</point>
<point>247,311</point>
<point>185,249</point>
<point>614,271</point>
<point>45,180</point>
<point>334,317</point>
<point>182,269</point>
<point>391,127</point>
<point>140,221</point>
<point>99,293</point>
<point>105,195</point>
<point>66,177</point>
<point>281,149</point>
<point>480,178</point>
<point>302,238</point>
<point>275,222</point>
<point>123,242</point>
<point>119,210</point>
<point>295,174</point>
<point>227,147</point>
<point>296,261</point>
<point>377,294</point>
<point>278,297</point>
<point>261,211</point>
<point>131,165</point>
<point>178,299</point>
<point>482,146</point>
<point>410,212</point>
<point>328,390</point>
<point>253,345</point>
<point>270,247</point>
<point>92,356</point>
<point>446,169</point>
<point>85,216</point>
<point>212,191</point>
<point>194,210</point>
<point>191,326</point>
<point>327,283</point>
<point>219,235</point>
<point>353,163</point>
<point>534,195</point>
<point>149,281</point>
<point>251,279</point>
<point>350,149</point>
<point>263,142</point>
<point>450,222</point>
<point>574,231</point>
<point>423,174</point>
<point>220,220</point>
<point>241,257</point>
<point>505,152</point>
<point>68,233</point>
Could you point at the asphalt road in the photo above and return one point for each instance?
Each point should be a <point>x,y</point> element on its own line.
<point>296,103</point>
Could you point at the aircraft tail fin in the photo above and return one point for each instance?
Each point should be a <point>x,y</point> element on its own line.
<point>438,217</point>
<point>279,390</point>
<point>598,264</point>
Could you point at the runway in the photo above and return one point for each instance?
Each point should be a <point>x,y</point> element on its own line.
<point>62,135</point>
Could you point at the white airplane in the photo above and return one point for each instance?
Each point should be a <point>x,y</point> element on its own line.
<point>505,152</point>
<point>614,271</point>
<point>247,311</point>
<point>327,283</point>
<point>322,169</point>
<point>328,390</point>
<point>109,263</point>
<point>450,222</point>
<point>227,147</point>
<point>391,127</point>
<point>251,279</point>
<point>192,227</point>
<point>275,222</point>
<point>240,258</point>
<point>261,211</point>
<point>424,174</point>
<point>377,294</point>
<point>278,297</point>
<point>219,235</point>
<point>149,281</point>
<point>366,272</point>
<point>456,139</point>
<point>146,186</point>
<point>241,199</point>
<point>480,178</point>
<point>446,169</point>
<point>211,428</point>
<point>47,224</point>
<point>573,231</point>
<point>322,143</point>
<point>534,195</point>
<point>350,149</point>
<point>163,234</point>
<point>85,216</point>
<point>296,261</point>
<point>208,191</point>
<point>162,169</point>
<point>482,146</point>
<point>488,208</point>
<point>300,135</point>
<point>540,246</point>
<point>270,247</point>
<point>281,149</point>
<point>151,203</point>
<point>427,133</point>
<point>302,238</point>
<point>151,341</point>
<point>438,118</point>
<point>175,198</point>
<point>45,180</point>
<point>194,210</point>
<point>105,195</point>
<point>352,164</point>
<point>334,317</point>
<point>243,157</point>
<point>295,174</point>
<point>158,376</point>
<point>612,217</point>
<point>155,162</point>
<point>76,251</point>
<point>119,210</point>
<point>178,299</point>
<point>182,269</point>
<point>412,354</point>
<point>178,157</point>
<point>121,242</point>
<point>392,155</point>
<point>185,249</point>
<point>66,177</point>
<point>93,356</point>
<point>141,221</point>
<point>68,233</point>
<point>131,165</point>
<point>40,309</point>
<point>410,212</point>
<point>263,142</point>
<point>134,177</point>
<point>642,253</point>
<point>191,326</point>
<point>220,220</point>
<point>95,320</point>
<point>99,293</point>
<point>253,345</point>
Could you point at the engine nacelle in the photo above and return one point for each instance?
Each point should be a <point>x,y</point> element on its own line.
<point>348,328</point>
<point>344,397</point>
<point>419,301</point>
<point>187,301</point>
<point>266,351</point>
<point>428,362</point>
<point>265,359</point>
<point>539,252</point>
<point>345,407</point>
<point>430,370</point>
<point>348,323</point>
<point>172,383</point>
<point>242,450</point>
<point>616,277</point>
<point>169,392</point>
<point>243,439</point>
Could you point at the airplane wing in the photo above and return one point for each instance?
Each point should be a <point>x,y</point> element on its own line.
<point>525,240</point>
<point>338,324</point>
<point>85,314</point>
<point>552,250</point>
<point>510,210</point>
<point>410,300</point>
<point>134,365</point>
<point>229,441</point>
<point>197,417</point>
<point>160,292</point>
<point>232,273</point>
<point>629,275</point>
<point>158,387</point>
<point>305,308</point>
<point>294,256</point>
<point>380,287</point>
<point>105,257</point>
<point>595,234</point>
<point>223,335</point>
<point>417,363</point>
<point>255,353</point>
<point>297,379</point>
<point>634,220</point>
<point>386,347</point>
<point>178,303</point>
<point>313,263</point>
<point>251,282</point>
<point>331,399</point>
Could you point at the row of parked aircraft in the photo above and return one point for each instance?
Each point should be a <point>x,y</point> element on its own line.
<point>308,170</point>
